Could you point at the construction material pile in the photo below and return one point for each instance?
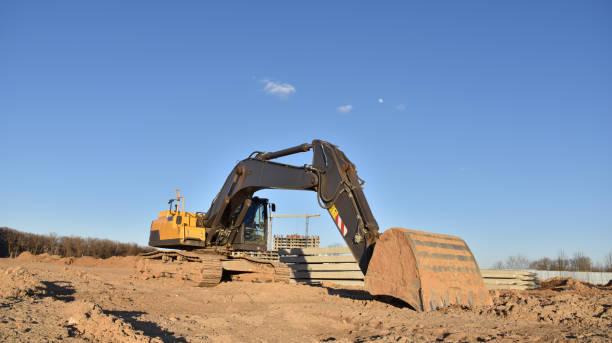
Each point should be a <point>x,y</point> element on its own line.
<point>509,279</point>
<point>318,265</point>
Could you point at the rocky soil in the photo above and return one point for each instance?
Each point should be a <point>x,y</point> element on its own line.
<point>49,299</point>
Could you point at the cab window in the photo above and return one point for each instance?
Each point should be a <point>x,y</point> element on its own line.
<point>255,223</point>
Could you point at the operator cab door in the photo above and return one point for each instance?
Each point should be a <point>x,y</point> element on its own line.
<point>252,234</point>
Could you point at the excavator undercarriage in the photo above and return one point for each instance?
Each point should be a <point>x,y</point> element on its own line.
<point>207,268</point>
<point>426,270</point>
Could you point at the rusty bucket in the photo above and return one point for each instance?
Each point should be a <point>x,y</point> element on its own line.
<point>426,270</point>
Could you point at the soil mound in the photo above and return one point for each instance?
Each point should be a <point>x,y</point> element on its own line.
<point>572,285</point>
<point>562,301</point>
<point>91,323</point>
<point>46,258</point>
<point>26,256</point>
<point>17,282</point>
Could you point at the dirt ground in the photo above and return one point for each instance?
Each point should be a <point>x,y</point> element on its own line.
<point>47,299</point>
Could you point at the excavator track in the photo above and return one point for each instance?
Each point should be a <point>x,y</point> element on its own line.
<point>267,270</point>
<point>207,269</point>
<point>211,271</point>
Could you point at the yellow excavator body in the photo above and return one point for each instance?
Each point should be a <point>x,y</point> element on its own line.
<point>180,228</point>
<point>176,228</point>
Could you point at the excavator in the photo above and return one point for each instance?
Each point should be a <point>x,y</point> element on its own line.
<point>425,270</point>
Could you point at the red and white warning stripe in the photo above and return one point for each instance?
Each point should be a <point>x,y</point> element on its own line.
<point>341,226</point>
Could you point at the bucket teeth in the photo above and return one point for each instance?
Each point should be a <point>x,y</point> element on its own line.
<point>426,270</point>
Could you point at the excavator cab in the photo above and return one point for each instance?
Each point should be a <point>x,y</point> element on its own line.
<point>252,233</point>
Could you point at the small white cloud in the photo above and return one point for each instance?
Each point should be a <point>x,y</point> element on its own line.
<point>345,108</point>
<point>380,100</point>
<point>278,88</point>
<point>400,107</point>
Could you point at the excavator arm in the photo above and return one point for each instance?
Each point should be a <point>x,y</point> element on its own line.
<point>331,175</point>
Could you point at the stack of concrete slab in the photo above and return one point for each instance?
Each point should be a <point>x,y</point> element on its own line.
<point>316,265</point>
<point>509,279</point>
<point>596,278</point>
<point>337,265</point>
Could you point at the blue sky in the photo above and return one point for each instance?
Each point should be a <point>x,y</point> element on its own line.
<point>490,121</point>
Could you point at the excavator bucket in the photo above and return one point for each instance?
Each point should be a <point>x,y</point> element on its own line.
<point>426,270</point>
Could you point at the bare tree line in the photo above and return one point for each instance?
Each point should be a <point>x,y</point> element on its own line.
<point>13,243</point>
<point>578,262</point>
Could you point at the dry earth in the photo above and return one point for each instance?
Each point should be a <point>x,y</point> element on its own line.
<point>48,299</point>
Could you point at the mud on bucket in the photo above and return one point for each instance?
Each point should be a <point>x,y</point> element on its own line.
<point>426,270</point>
